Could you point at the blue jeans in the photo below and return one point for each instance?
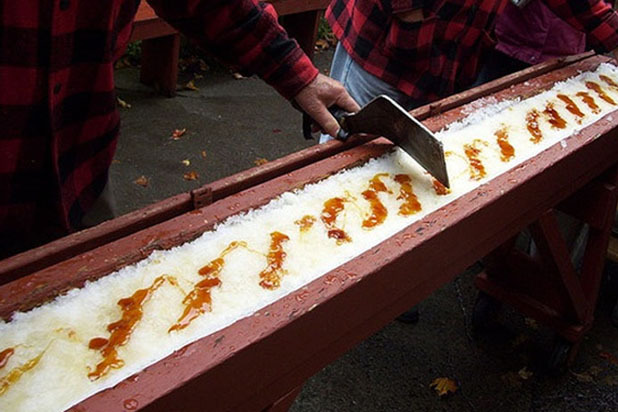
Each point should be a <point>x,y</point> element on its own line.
<point>361,85</point>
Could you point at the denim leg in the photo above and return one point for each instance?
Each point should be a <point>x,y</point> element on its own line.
<point>361,85</point>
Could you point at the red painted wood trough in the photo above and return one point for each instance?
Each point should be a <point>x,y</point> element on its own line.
<point>261,361</point>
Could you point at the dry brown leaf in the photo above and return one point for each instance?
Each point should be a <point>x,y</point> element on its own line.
<point>511,378</point>
<point>531,323</point>
<point>322,44</point>
<point>142,181</point>
<point>582,377</point>
<point>444,386</point>
<point>238,76</point>
<point>260,161</point>
<point>186,162</point>
<point>122,103</point>
<point>122,63</point>
<point>191,86</point>
<point>520,340</point>
<point>192,175</point>
<point>595,370</point>
<point>525,373</point>
<point>178,133</point>
<point>203,154</point>
<point>611,380</point>
<point>609,357</point>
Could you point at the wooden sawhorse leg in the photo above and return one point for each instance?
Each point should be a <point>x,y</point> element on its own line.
<point>547,287</point>
<point>304,28</point>
<point>160,63</point>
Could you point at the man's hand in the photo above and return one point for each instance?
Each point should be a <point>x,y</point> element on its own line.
<point>615,54</point>
<point>322,93</point>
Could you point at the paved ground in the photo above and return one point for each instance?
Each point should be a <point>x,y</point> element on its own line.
<point>237,122</point>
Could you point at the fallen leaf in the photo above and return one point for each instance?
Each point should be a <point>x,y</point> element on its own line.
<point>122,103</point>
<point>611,380</point>
<point>444,386</point>
<point>531,323</point>
<point>520,340</point>
<point>238,76</point>
<point>260,161</point>
<point>595,370</point>
<point>203,154</point>
<point>192,175</point>
<point>178,133</point>
<point>524,373</point>
<point>142,181</point>
<point>186,162</point>
<point>609,357</point>
<point>122,63</point>
<point>191,86</point>
<point>276,130</point>
<point>512,379</point>
<point>203,66</point>
<point>582,377</point>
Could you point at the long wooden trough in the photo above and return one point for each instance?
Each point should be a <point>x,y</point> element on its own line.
<point>259,361</point>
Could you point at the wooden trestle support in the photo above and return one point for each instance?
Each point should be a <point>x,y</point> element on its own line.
<point>547,286</point>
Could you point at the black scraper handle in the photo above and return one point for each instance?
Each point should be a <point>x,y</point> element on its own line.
<point>339,115</point>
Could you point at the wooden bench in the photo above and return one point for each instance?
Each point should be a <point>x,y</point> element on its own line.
<point>161,42</point>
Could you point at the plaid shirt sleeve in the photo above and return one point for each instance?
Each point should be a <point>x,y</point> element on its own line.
<point>593,17</point>
<point>243,33</point>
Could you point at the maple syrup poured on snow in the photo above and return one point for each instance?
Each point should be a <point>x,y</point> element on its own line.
<point>332,208</point>
<point>609,80</point>
<point>271,276</point>
<point>120,331</point>
<point>554,117</point>
<point>507,151</point>
<point>532,124</point>
<point>377,185</point>
<point>570,105</point>
<point>439,188</point>
<point>378,210</point>
<point>16,373</point>
<point>5,355</point>
<point>410,204</point>
<point>597,88</point>
<point>199,301</point>
<point>589,100</point>
<point>477,170</point>
<point>305,223</point>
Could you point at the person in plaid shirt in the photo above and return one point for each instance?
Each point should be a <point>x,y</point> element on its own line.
<point>58,118</point>
<point>417,51</point>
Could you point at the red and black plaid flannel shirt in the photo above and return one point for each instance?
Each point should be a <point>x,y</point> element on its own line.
<point>58,117</point>
<point>440,54</point>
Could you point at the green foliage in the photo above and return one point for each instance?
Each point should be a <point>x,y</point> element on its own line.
<point>134,52</point>
<point>324,30</point>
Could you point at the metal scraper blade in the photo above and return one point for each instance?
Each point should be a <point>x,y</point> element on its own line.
<point>384,117</point>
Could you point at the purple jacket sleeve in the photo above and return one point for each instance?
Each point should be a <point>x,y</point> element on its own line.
<point>593,17</point>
